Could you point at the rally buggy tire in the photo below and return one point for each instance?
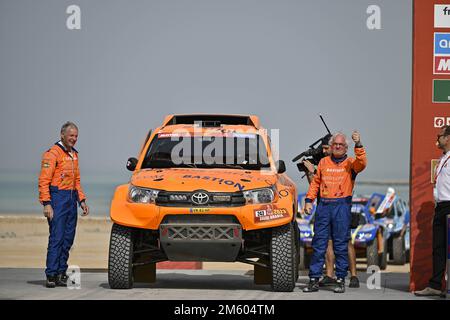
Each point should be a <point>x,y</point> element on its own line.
<point>372,254</point>
<point>283,258</point>
<point>120,262</point>
<point>399,250</point>
<point>383,256</point>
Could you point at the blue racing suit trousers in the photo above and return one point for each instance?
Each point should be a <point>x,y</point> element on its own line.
<point>332,217</point>
<point>62,230</point>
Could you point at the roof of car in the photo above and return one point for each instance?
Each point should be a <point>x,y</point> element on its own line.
<point>212,120</point>
<point>222,130</point>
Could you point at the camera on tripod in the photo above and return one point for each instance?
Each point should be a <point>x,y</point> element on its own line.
<point>314,152</point>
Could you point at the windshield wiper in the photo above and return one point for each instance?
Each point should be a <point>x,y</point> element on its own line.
<point>164,163</point>
<point>224,165</point>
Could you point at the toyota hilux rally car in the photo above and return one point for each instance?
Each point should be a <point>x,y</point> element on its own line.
<point>205,188</point>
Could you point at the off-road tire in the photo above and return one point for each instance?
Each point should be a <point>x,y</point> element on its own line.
<point>399,250</point>
<point>283,258</point>
<point>297,248</point>
<point>120,263</point>
<point>372,254</point>
<point>383,257</point>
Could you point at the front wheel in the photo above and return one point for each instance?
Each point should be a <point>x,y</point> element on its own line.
<point>297,249</point>
<point>283,258</point>
<point>120,262</point>
<point>383,256</point>
<point>372,254</point>
<point>399,250</point>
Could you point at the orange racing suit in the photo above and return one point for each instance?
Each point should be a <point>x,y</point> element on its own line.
<point>59,186</point>
<point>59,169</point>
<point>335,178</point>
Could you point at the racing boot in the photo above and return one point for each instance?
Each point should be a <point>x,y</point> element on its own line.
<point>327,281</point>
<point>51,281</point>
<point>61,280</point>
<point>354,282</point>
<point>313,285</point>
<point>340,286</point>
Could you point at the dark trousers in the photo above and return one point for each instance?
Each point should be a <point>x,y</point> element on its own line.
<point>439,244</point>
<point>62,230</point>
<point>332,219</point>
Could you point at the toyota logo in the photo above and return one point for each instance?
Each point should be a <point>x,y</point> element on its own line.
<point>200,198</point>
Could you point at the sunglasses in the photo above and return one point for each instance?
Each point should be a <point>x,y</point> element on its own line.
<point>339,144</point>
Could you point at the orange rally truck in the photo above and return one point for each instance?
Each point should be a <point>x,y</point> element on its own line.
<point>205,187</point>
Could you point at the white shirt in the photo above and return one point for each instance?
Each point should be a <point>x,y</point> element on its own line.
<point>442,188</point>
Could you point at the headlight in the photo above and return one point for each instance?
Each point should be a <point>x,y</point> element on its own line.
<point>140,195</point>
<point>264,195</point>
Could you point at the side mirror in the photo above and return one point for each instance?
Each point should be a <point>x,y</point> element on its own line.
<point>131,163</point>
<point>281,166</point>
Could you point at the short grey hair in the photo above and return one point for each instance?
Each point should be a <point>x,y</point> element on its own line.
<point>334,136</point>
<point>68,125</point>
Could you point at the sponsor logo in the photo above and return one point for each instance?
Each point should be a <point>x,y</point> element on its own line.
<point>442,43</point>
<point>439,122</point>
<point>280,211</point>
<point>269,213</point>
<point>216,179</point>
<point>441,53</point>
<point>200,198</point>
<point>335,170</point>
<point>45,165</point>
<point>441,91</point>
<point>441,65</point>
<point>442,15</point>
<point>173,135</point>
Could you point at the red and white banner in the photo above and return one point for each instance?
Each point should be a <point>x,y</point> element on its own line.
<point>430,110</point>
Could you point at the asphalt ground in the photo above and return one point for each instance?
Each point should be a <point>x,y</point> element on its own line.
<point>29,284</point>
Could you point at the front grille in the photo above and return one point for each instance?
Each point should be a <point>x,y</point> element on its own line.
<point>184,199</point>
<point>200,232</point>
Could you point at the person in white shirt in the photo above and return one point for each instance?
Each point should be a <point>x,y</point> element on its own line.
<point>442,198</point>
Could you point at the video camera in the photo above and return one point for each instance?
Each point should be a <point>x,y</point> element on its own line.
<point>314,152</point>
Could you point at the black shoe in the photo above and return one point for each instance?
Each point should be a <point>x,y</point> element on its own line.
<point>340,286</point>
<point>51,281</point>
<point>61,280</point>
<point>313,285</point>
<point>354,282</point>
<point>327,281</point>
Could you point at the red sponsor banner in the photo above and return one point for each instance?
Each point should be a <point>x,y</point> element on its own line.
<point>427,117</point>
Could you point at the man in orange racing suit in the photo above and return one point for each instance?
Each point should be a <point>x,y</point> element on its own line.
<point>59,192</point>
<point>335,178</point>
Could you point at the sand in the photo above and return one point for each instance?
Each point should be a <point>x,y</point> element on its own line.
<point>24,239</point>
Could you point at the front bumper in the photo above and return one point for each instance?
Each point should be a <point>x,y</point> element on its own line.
<point>150,216</point>
<point>211,238</point>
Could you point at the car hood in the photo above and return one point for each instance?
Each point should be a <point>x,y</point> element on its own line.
<point>213,180</point>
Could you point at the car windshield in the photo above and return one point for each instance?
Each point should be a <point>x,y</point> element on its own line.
<point>238,151</point>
